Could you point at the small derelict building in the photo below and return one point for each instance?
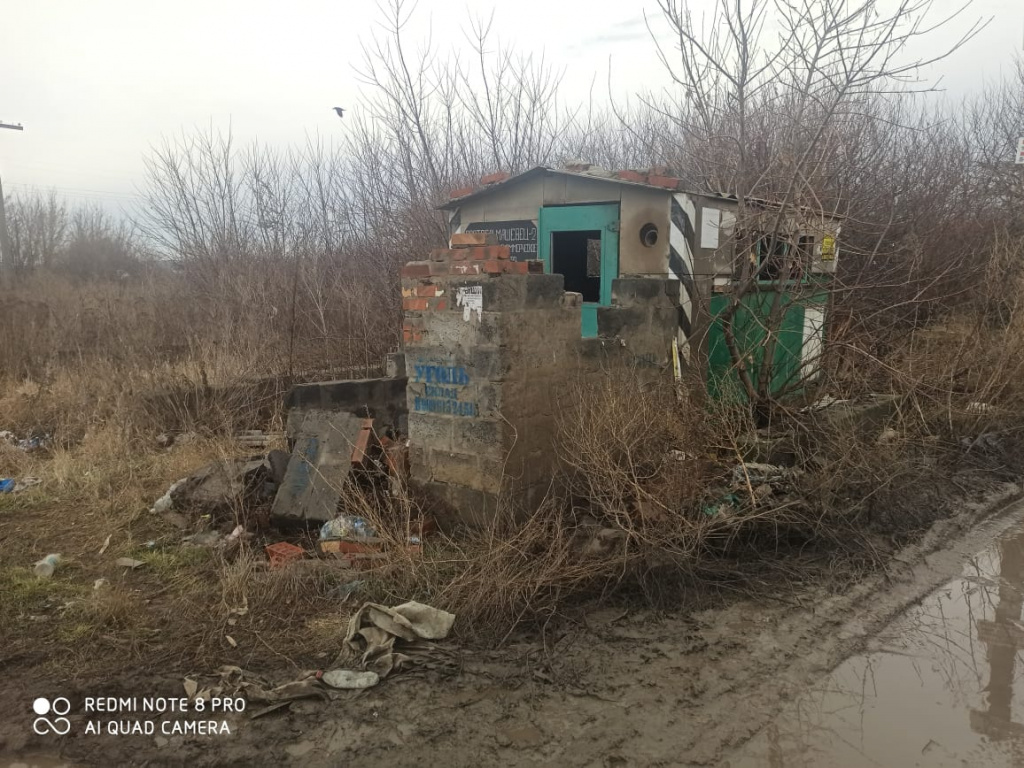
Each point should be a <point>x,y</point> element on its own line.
<point>594,226</point>
<point>556,275</point>
<point>553,277</point>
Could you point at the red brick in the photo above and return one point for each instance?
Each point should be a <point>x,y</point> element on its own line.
<point>658,170</point>
<point>362,446</point>
<point>668,182</point>
<point>634,176</point>
<point>440,304</point>
<point>535,266</point>
<point>414,305</point>
<point>465,269</point>
<point>493,178</point>
<point>461,192</point>
<point>499,252</point>
<point>493,267</point>
<point>406,335</point>
<point>460,254</point>
<point>516,267</point>
<point>469,239</point>
<point>478,253</point>
<point>427,290</point>
<point>416,269</point>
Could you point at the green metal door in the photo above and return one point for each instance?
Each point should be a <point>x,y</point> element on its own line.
<point>581,242</point>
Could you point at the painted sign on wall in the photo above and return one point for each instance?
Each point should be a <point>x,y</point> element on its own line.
<point>519,236</point>
<point>444,390</point>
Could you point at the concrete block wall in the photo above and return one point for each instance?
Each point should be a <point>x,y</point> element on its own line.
<point>638,330</point>
<point>490,345</point>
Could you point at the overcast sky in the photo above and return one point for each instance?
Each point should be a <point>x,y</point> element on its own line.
<point>98,82</point>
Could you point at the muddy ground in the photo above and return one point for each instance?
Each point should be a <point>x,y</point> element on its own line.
<point>617,688</point>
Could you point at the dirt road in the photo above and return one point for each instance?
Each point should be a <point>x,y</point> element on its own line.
<point>754,683</point>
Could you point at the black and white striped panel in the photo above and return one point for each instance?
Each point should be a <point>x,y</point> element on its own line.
<point>680,265</point>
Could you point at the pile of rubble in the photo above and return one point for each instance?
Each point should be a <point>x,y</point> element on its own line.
<point>338,463</point>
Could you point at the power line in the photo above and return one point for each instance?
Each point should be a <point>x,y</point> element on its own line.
<point>76,191</point>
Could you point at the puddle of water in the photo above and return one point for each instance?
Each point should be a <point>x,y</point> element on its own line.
<point>943,685</point>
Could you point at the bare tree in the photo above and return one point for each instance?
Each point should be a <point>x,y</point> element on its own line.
<point>769,95</point>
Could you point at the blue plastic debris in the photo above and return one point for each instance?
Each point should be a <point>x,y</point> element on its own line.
<point>7,485</point>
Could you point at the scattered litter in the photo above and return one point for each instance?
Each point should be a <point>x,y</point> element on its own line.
<point>106,543</point>
<point>889,435</point>
<point>231,641</point>
<point>204,539</point>
<point>347,527</point>
<point>823,402</point>
<point>602,542</point>
<point>348,679</point>
<point>165,503</point>
<point>374,630</point>
<point>729,500</point>
<point>282,553</point>
<point>28,445</point>
<point>10,485</point>
<point>759,474</point>
<point>44,568</point>
<point>127,562</point>
<point>676,455</point>
<point>978,407</point>
<point>99,584</point>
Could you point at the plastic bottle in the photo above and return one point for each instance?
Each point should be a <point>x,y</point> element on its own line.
<point>45,567</point>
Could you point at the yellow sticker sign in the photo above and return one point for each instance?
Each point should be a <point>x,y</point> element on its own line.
<point>828,248</point>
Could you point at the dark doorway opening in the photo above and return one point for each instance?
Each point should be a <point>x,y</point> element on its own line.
<point>577,257</point>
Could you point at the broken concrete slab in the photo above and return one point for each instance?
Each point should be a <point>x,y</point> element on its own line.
<point>319,467</point>
<point>218,486</point>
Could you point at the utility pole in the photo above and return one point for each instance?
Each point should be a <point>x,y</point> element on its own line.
<point>6,256</point>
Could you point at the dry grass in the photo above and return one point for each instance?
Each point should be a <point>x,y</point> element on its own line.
<point>646,501</point>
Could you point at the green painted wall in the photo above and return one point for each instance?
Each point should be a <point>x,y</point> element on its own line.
<point>749,327</point>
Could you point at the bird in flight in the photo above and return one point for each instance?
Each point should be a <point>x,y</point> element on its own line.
<point>340,111</point>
